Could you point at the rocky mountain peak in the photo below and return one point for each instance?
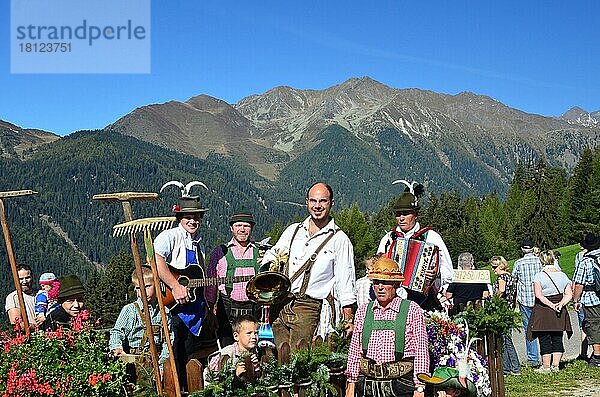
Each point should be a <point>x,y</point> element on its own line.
<point>206,102</point>
<point>577,115</point>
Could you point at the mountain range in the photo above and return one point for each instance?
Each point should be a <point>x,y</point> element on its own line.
<point>467,142</point>
<point>262,153</point>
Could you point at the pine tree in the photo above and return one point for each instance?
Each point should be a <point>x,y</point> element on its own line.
<point>110,292</point>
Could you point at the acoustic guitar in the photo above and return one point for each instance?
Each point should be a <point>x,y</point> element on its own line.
<point>192,277</point>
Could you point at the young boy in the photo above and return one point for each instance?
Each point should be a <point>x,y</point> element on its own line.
<point>43,303</point>
<point>128,336</point>
<point>245,334</point>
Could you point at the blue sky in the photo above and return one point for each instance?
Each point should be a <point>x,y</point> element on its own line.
<point>538,56</point>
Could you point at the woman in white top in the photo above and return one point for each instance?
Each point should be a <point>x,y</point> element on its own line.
<point>549,318</point>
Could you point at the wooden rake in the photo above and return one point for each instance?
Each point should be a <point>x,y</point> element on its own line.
<point>125,198</point>
<point>147,225</point>
<point>11,253</point>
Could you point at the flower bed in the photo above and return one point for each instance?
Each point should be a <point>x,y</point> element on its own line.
<point>67,362</point>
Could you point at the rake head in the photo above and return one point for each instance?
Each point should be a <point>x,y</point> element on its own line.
<point>17,193</point>
<point>125,196</point>
<point>139,225</point>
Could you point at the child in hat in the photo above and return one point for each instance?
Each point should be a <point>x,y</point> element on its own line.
<point>71,301</point>
<point>44,300</point>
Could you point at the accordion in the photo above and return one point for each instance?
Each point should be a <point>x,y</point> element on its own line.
<point>414,257</point>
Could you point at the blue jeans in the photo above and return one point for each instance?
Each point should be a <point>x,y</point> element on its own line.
<point>510,357</point>
<point>533,351</point>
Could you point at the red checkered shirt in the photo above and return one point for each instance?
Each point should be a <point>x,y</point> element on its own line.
<point>381,344</point>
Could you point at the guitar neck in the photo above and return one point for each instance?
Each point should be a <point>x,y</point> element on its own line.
<point>205,282</point>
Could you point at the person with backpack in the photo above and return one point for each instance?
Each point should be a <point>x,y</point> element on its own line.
<point>549,317</point>
<point>586,294</point>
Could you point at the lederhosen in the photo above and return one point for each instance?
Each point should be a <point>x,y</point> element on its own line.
<point>392,379</point>
<point>285,312</point>
<point>234,308</point>
<point>427,301</point>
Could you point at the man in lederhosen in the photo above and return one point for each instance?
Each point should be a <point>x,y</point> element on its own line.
<point>321,258</point>
<point>389,344</point>
<point>237,258</point>
<point>406,211</point>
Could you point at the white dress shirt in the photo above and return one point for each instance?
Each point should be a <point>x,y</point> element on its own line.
<point>334,265</point>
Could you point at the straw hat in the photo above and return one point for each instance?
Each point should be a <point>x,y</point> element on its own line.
<point>386,269</point>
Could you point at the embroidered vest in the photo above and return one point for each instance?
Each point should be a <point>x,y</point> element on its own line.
<point>233,264</point>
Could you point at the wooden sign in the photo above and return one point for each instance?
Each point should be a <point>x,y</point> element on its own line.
<point>472,276</point>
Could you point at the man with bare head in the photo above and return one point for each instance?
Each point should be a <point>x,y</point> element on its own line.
<point>320,261</point>
<point>12,307</point>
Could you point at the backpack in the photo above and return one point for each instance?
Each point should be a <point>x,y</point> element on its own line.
<point>595,286</point>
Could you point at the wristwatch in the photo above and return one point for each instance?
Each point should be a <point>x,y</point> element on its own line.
<point>420,389</point>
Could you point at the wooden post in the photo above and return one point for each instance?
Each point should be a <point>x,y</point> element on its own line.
<point>11,253</point>
<point>125,199</point>
<point>195,375</point>
<point>500,365</point>
<point>147,320</point>
<point>283,357</point>
<point>176,389</point>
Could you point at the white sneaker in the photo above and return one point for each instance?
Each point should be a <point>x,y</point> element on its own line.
<point>554,368</point>
<point>543,370</point>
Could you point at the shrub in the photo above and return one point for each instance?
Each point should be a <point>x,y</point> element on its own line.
<point>66,362</point>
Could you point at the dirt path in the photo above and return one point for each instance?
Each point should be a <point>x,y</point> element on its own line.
<point>584,391</point>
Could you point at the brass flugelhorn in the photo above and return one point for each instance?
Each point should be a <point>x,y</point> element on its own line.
<point>270,286</point>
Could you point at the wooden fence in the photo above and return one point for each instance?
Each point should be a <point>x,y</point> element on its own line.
<point>195,373</point>
<point>490,347</point>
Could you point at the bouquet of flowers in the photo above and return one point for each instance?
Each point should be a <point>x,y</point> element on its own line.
<point>448,345</point>
<point>66,362</point>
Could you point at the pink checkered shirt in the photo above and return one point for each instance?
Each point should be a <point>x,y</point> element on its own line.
<point>238,293</point>
<point>381,345</point>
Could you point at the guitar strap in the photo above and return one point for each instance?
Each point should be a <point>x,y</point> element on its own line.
<point>199,255</point>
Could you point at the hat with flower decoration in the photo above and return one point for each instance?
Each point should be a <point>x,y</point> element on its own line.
<point>449,377</point>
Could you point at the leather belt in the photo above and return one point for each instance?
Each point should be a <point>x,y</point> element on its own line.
<point>391,370</point>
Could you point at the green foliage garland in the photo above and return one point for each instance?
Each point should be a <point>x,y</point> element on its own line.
<point>493,316</point>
